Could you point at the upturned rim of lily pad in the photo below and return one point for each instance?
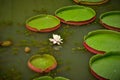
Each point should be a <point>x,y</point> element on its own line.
<point>43,63</point>
<point>97,41</point>
<point>103,65</point>
<point>43,23</point>
<point>67,15</point>
<point>90,3</point>
<point>50,78</point>
<point>110,20</point>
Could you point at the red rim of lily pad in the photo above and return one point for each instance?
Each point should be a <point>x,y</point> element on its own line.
<point>43,23</point>
<point>109,21</point>
<point>97,76</point>
<point>92,50</point>
<point>103,65</point>
<point>42,63</point>
<point>43,30</point>
<point>77,23</point>
<point>90,3</point>
<point>101,41</point>
<point>75,15</point>
<point>110,27</point>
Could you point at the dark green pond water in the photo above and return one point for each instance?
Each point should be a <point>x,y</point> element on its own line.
<point>72,57</point>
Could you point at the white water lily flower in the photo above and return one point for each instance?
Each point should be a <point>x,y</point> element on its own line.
<point>56,39</point>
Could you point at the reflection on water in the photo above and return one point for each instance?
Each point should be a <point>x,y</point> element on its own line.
<point>71,56</point>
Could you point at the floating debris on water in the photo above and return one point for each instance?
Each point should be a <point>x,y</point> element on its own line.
<point>15,50</point>
<point>41,11</point>
<point>6,43</point>
<point>27,33</point>
<point>78,48</point>
<point>66,32</point>
<point>6,23</point>
<point>27,49</point>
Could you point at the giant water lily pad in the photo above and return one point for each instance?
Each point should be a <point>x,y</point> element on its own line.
<point>50,78</point>
<point>106,66</point>
<point>76,15</point>
<point>101,41</point>
<point>43,23</point>
<point>91,2</point>
<point>111,20</point>
<point>42,63</point>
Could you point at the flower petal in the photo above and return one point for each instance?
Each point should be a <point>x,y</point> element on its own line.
<point>56,37</point>
<point>58,43</point>
<point>54,42</point>
<point>51,39</point>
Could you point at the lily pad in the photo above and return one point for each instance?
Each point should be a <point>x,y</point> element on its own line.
<point>50,78</point>
<point>42,63</point>
<point>111,20</point>
<point>43,23</point>
<point>44,78</point>
<point>76,15</point>
<point>106,66</point>
<point>91,2</point>
<point>101,41</point>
